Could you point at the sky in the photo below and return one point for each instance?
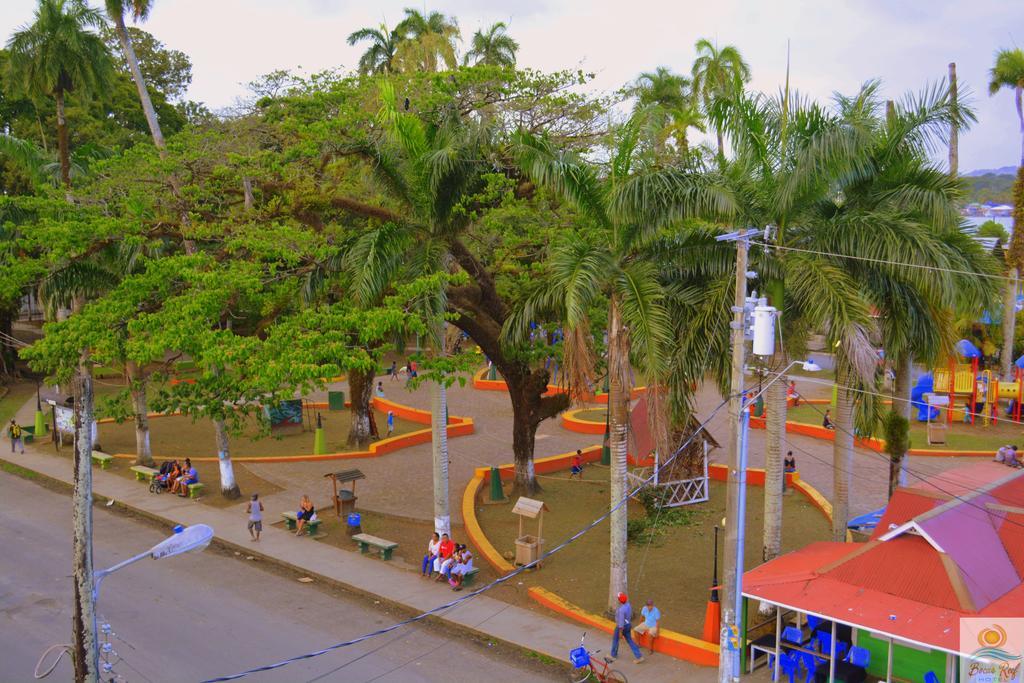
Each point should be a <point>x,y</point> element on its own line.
<point>836,45</point>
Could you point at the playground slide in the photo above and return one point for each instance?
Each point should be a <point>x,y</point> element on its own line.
<point>923,386</point>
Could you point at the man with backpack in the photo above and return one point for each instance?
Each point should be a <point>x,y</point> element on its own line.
<point>17,436</point>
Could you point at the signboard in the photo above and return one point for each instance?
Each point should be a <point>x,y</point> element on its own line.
<point>996,647</point>
<point>285,414</point>
<point>65,418</point>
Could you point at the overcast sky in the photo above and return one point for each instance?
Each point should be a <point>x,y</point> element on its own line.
<point>836,45</point>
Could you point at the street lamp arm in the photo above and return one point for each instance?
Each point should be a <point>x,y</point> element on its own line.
<point>808,365</point>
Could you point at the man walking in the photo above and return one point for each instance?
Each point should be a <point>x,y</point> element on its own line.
<point>624,626</point>
<point>17,437</point>
<point>255,510</point>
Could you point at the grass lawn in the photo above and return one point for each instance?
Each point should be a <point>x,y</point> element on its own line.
<point>209,475</point>
<point>178,436</point>
<point>14,399</point>
<point>959,435</point>
<point>674,567</point>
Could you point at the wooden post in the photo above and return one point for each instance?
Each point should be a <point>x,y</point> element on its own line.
<point>540,528</point>
<point>337,503</point>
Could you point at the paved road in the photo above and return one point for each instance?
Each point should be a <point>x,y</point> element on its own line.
<point>213,613</point>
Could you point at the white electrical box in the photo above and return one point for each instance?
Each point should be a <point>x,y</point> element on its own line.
<point>764,331</point>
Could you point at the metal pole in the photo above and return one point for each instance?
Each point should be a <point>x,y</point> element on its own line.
<point>728,669</point>
<point>832,655</point>
<point>741,538</point>
<point>714,572</point>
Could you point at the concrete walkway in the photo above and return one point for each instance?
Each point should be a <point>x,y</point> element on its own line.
<point>485,616</point>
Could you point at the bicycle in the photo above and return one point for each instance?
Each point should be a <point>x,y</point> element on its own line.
<point>582,661</point>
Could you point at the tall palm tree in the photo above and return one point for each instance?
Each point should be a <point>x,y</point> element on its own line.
<point>669,101</point>
<point>1008,72</point>
<point>379,58</point>
<point>493,47</point>
<point>627,205</point>
<point>140,11</point>
<point>718,74</point>
<point>58,54</point>
<point>428,40</point>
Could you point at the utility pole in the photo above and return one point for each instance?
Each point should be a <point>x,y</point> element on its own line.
<point>84,652</point>
<point>728,668</point>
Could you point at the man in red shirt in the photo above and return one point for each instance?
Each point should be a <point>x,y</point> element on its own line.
<point>444,552</point>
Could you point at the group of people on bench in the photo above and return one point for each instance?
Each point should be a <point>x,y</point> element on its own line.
<point>176,477</point>
<point>451,561</point>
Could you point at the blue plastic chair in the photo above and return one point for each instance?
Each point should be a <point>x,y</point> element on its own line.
<point>814,622</point>
<point>930,677</point>
<point>810,663</point>
<point>791,634</point>
<point>824,641</point>
<point>859,656</point>
<point>787,664</point>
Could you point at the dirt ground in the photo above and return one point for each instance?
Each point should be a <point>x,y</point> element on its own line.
<point>674,567</point>
<point>178,436</point>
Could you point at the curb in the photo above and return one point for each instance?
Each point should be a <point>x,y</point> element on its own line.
<point>499,385</point>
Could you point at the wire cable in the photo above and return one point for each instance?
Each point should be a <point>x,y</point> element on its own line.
<point>500,580</point>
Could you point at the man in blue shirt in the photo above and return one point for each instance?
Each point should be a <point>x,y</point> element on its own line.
<point>623,626</point>
<point>651,615</point>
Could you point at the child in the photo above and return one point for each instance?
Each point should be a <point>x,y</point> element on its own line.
<point>461,568</point>
<point>255,510</point>
<point>394,371</point>
<point>792,398</point>
<point>577,465</point>
<point>827,420</point>
<point>391,422</point>
<point>380,390</point>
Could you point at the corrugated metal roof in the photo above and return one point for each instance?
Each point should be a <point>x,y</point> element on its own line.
<point>904,505</point>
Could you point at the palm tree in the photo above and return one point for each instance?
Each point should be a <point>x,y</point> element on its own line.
<point>718,74</point>
<point>667,98</point>
<point>628,206</point>
<point>58,54</point>
<point>379,58</point>
<point>140,11</point>
<point>1008,72</point>
<point>493,47</point>
<point>427,41</point>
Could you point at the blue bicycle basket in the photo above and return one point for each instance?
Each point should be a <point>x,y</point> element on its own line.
<point>579,657</point>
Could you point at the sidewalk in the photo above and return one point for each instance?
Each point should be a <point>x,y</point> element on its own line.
<point>485,616</point>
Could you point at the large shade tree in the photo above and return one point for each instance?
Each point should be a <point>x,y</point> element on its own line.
<point>57,54</point>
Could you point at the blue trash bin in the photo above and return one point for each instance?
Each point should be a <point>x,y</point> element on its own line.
<point>354,519</point>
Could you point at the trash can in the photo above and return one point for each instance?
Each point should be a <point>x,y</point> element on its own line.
<point>528,549</point>
<point>353,524</point>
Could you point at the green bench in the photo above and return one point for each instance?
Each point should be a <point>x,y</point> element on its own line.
<point>291,521</point>
<point>102,459</point>
<point>195,490</point>
<point>469,578</point>
<point>142,473</point>
<point>384,546</point>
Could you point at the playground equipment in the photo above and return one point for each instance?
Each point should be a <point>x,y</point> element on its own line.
<point>968,393</point>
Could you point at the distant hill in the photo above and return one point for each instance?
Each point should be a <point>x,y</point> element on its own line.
<point>1002,170</point>
<point>990,187</point>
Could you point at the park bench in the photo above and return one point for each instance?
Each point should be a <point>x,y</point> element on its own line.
<point>384,546</point>
<point>469,578</point>
<point>142,473</point>
<point>291,521</point>
<point>194,490</point>
<point>102,459</point>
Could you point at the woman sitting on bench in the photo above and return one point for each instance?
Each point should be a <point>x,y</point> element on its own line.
<point>463,566</point>
<point>305,513</point>
<point>428,560</point>
<point>188,476</point>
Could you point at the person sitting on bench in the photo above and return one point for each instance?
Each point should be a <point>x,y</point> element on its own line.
<point>188,476</point>
<point>428,560</point>
<point>305,513</point>
<point>463,566</point>
<point>444,555</point>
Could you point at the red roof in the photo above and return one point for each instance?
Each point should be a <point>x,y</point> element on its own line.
<point>946,548</point>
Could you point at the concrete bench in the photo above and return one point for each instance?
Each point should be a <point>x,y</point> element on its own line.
<point>142,473</point>
<point>102,459</point>
<point>469,578</point>
<point>385,547</point>
<point>291,521</point>
<point>196,489</point>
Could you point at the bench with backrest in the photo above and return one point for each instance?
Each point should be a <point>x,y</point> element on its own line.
<point>292,521</point>
<point>143,473</point>
<point>102,459</point>
<point>384,546</point>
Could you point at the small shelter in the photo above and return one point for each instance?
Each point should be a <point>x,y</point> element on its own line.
<point>945,550</point>
<point>344,499</point>
<point>684,480</point>
<point>529,548</point>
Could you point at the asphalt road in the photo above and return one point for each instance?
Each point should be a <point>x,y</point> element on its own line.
<point>201,615</point>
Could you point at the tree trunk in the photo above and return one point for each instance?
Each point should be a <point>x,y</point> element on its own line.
<point>439,450</point>
<point>842,455</point>
<point>618,406</point>
<point>137,383</point>
<point>62,140</point>
<point>721,143</point>
<point>773,474</point>
<point>360,385</point>
<point>901,404</point>
<point>1009,323</point>
<point>524,435</point>
<point>140,83</point>
<point>84,614</point>
<point>954,130</point>
<point>228,486</point>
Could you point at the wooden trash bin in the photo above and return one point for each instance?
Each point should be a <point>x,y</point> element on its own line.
<point>529,547</point>
<point>344,499</point>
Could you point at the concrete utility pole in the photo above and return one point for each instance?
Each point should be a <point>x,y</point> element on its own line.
<point>439,443</point>
<point>728,668</point>
<point>84,651</point>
